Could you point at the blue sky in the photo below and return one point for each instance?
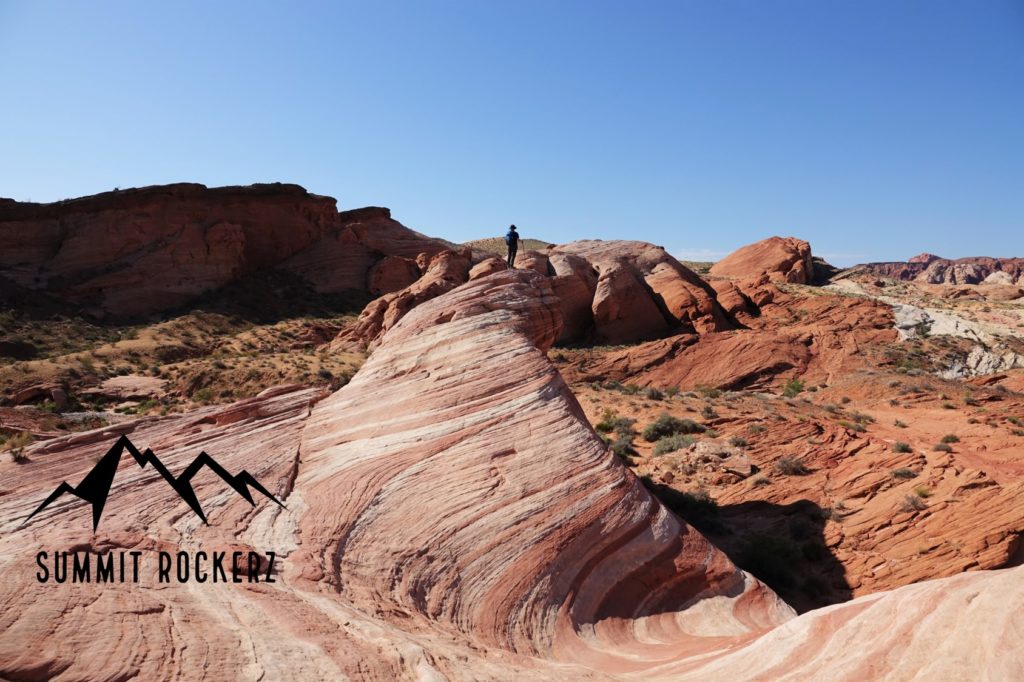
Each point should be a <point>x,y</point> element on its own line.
<point>873,129</point>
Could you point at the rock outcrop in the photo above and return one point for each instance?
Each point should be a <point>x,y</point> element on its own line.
<point>785,259</point>
<point>138,251</point>
<point>931,269</point>
<point>609,292</point>
<point>447,514</point>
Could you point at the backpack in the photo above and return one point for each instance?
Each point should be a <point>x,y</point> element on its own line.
<point>511,238</point>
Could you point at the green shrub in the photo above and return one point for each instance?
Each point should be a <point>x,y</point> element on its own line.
<point>672,443</point>
<point>738,442</point>
<point>672,391</point>
<point>942,447</point>
<point>922,491</point>
<point>900,446</point>
<point>202,395</point>
<point>950,438</point>
<point>903,472</point>
<point>667,425</point>
<point>792,388</point>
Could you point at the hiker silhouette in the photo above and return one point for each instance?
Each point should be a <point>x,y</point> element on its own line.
<point>512,240</point>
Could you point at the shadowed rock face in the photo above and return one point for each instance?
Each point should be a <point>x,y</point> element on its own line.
<point>448,514</point>
<point>144,250</point>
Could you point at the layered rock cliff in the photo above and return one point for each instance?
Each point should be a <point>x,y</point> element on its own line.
<point>139,251</point>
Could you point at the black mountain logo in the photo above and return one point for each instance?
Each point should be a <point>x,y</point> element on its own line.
<point>95,487</point>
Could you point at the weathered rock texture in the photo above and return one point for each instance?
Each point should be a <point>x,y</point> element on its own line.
<point>449,514</point>
<point>144,250</point>
<point>608,292</point>
<point>781,258</point>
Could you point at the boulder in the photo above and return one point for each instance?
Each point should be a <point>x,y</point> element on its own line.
<point>785,259</point>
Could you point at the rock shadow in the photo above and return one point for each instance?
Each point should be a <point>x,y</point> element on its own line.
<point>782,545</point>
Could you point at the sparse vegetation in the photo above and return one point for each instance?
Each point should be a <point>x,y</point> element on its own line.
<point>942,447</point>
<point>787,465</point>
<point>738,442</point>
<point>653,394</point>
<point>667,425</point>
<point>900,446</point>
<point>912,503</point>
<point>903,472</point>
<point>950,438</point>
<point>672,443</point>
<point>792,388</point>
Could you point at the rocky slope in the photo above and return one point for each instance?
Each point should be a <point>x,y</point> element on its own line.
<point>448,514</point>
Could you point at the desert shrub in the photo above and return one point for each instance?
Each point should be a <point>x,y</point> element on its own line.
<point>942,447</point>
<point>1015,421</point>
<point>950,438</point>
<point>623,427</point>
<point>948,406</point>
<point>738,442</point>
<point>900,425</point>
<point>607,422</point>
<point>900,446</point>
<point>202,395</point>
<point>912,503</point>
<point>859,428</point>
<point>787,465</point>
<point>922,491</point>
<point>667,425</point>
<point>761,481</point>
<point>708,412</point>
<point>623,447</point>
<point>845,400</point>
<point>903,472</point>
<point>630,389</point>
<point>672,443</point>
<point>1017,432</point>
<point>653,394</point>
<point>707,391</point>
<point>711,433</point>
<point>671,391</point>
<point>17,444</point>
<point>792,388</point>
<point>756,429</point>
<point>612,385</point>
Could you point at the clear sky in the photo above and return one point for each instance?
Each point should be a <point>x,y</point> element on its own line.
<point>875,129</point>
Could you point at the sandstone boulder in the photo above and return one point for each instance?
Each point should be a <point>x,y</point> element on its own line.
<point>785,259</point>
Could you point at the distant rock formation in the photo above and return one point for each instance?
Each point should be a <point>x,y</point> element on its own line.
<point>139,251</point>
<point>931,269</point>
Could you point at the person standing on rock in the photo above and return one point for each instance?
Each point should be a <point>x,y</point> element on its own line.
<point>512,240</point>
